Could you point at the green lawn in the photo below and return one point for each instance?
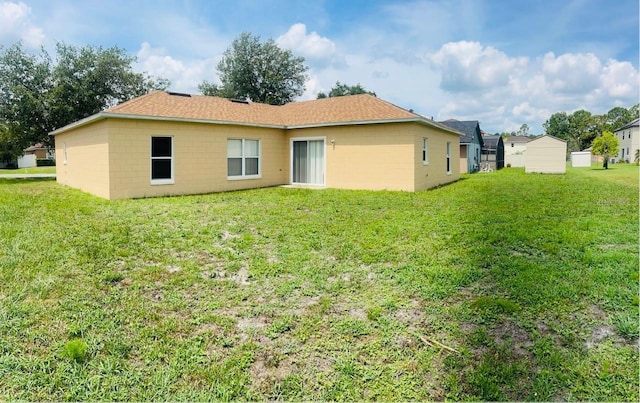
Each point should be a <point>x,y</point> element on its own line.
<point>502,286</point>
<point>34,170</point>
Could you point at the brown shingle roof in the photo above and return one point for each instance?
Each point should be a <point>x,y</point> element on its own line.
<point>355,108</point>
<point>198,107</point>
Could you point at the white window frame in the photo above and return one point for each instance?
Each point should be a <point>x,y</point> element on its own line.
<point>243,175</point>
<point>163,181</point>
<point>448,161</point>
<point>425,151</point>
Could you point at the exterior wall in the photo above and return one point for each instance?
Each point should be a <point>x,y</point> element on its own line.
<point>200,157</point>
<point>581,159</point>
<point>546,155</point>
<point>86,166</point>
<point>464,168</point>
<point>514,153</point>
<point>435,172</point>
<point>373,157</point>
<point>474,156</point>
<point>629,140</point>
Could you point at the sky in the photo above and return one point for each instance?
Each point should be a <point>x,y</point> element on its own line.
<point>504,63</point>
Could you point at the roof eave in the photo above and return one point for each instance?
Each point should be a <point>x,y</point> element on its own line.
<point>105,115</point>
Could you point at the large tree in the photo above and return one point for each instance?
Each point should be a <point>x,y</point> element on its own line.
<point>259,71</point>
<point>38,95</point>
<point>558,125</point>
<point>606,145</point>
<point>340,90</point>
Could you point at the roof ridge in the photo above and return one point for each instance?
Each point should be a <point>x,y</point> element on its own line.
<point>133,101</point>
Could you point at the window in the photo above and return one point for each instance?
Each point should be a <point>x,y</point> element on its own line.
<point>161,160</point>
<point>425,151</point>
<point>243,158</point>
<point>448,157</point>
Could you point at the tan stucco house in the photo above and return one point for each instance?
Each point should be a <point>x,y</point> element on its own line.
<point>166,143</point>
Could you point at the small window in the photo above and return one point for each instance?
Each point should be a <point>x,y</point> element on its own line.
<point>243,158</point>
<point>425,151</point>
<point>512,145</point>
<point>448,157</point>
<point>161,160</point>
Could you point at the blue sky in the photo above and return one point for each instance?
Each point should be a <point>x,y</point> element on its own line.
<point>502,62</point>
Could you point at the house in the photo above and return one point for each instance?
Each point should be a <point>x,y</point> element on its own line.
<point>470,143</point>
<point>547,155</point>
<point>514,149</point>
<point>167,143</point>
<point>492,153</point>
<point>629,139</point>
<point>40,151</point>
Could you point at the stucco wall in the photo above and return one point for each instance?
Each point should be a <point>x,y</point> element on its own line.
<point>200,157</point>
<point>86,163</point>
<point>374,156</point>
<point>546,155</point>
<point>435,172</point>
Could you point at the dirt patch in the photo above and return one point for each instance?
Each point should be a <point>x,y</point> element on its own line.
<point>598,335</point>
<point>519,338</point>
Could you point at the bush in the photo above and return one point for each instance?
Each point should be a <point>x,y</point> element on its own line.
<point>44,162</point>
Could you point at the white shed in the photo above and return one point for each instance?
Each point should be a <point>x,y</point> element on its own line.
<point>581,159</point>
<point>546,155</point>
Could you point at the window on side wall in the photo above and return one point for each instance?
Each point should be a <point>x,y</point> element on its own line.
<point>448,157</point>
<point>161,160</point>
<point>243,159</point>
<point>425,151</point>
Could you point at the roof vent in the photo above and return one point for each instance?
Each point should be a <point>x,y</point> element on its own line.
<point>179,94</point>
<point>239,101</point>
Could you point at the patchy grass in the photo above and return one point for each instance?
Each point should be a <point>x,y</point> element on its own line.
<point>34,170</point>
<point>503,286</point>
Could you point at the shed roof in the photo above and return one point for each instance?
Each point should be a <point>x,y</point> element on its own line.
<point>353,109</point>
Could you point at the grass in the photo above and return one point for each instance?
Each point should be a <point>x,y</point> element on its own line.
<point>33,170</point>
<point>502,286</point>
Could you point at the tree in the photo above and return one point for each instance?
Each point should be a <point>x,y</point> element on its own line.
<point>606,145</point>
<point>38,96</point>
<point>340,90</point>
<point>558,125</point>
<point>524,130</point>
<point>261,72</point>
<point>582,130</point>
<point>616,118</point>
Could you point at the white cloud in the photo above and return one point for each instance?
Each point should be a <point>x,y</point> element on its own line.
<point>620,79</point>
<point>15,24</point>
<point>312,46</point>
<point>184,75</point>
<point>572,73</point>
<point>468,66</point>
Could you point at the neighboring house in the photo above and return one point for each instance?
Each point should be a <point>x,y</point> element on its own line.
<point>514,149</point>
<point>547,155</point>
<point>492,153</point>
<point>40,151</point>
<point>166,143</point>
<point>629,138</point>
<point>470,143</point>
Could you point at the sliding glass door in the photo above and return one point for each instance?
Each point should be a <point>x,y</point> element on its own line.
<point>308,162</point>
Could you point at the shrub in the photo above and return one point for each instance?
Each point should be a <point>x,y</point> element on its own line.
<point>44,162</point>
